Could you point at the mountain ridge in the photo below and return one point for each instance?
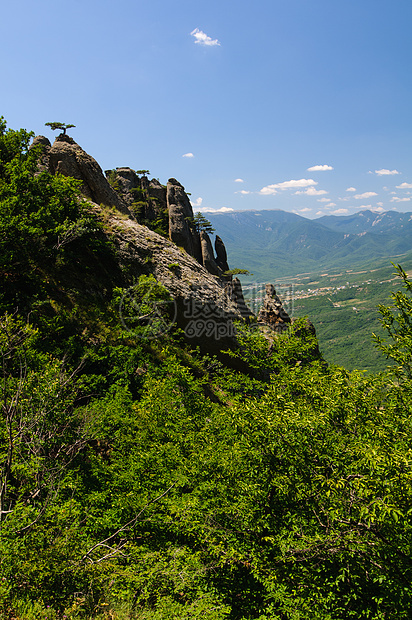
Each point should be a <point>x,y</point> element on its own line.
<point>275,243</point>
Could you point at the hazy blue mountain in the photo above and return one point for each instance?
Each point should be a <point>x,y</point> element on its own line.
<point>367,221</point>
<point>277,243</point>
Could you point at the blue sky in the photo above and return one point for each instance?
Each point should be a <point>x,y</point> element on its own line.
<point>298,105</point>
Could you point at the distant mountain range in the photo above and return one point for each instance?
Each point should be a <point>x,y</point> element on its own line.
<point>278,243</point>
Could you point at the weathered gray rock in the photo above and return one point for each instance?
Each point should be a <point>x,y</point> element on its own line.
<point>208,258</point>
<point>205,307</point>
<point>158,191</point>
<point>235,292</point>
<point>180,217</point>
<point>68,158</point>
<point>158,202</point>
<point>145,199</point>
<point>44,142</point>
<point>272,312</point>
<point>126,180</point>
<point>41,140</point>
<point>221,254</point>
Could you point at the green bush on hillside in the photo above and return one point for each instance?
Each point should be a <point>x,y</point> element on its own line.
<point>141,479</point>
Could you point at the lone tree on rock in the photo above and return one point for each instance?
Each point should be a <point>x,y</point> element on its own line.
<point>61,126</point>
<point>200,222</point>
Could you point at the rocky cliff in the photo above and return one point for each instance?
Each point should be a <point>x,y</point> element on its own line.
<point>153,228</point>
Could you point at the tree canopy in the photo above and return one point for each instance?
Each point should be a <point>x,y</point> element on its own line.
<point>201,223</point>
<point>61,126</point>
<point>142,479</point>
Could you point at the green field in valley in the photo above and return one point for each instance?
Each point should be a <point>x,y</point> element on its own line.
<point>343,307</point>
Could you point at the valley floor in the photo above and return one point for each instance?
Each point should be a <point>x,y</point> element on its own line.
<point>343,307</point>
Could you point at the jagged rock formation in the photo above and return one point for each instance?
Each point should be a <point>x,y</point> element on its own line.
<point>221,254</point>
<point>124,180</point>
<point>208,258</point>
<point>235,292</point>
<point>206,306</point>
<point>180,210</point>
<point>43,164</point>
<point>66,157</point>
<point>149,202</point>
<point>207,302</point>
<point>145,199</point>
<point>272,312</point>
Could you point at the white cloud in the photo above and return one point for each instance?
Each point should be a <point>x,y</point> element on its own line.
<point>331,204</point>
<point>320,213</point>
<point>385,172</point>
<point>305,210</point>
<point>188,155</point>
<point>378,209</point>
<point>269,190</point>
<point>351,189</point>
<point>340,211</point>
<point>319,168</point>
<point>365,195</point>
<point>239,181</point>
<point>221,210</point>
<point>323,199</point>
<point>404,186</point>
<point>363,206</point>
<point>379,204</point>
<point>202,38</point>
<point>397,199</point>
<point>243,191</point>
<point>344,199</point>
<point>272,189</point>
<point>311,191</point>
<point>197,202</point>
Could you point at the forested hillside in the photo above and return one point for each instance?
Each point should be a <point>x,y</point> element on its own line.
<point>145,478</point>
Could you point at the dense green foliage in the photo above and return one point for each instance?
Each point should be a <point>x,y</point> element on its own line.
<point>201,223</point>
<point>142,479</point>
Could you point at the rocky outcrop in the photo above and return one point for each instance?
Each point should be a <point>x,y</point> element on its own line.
<point>68,158</point>
<point>207,303</point>
<point>235,292</point>
<point>124,180</point>
<point>44,143</point>
<point>272,312</point>
<point>157,193</point>
<point>180,211</point>
<point>221,254</point>
<point>145,199</point>
<point>208,259</point>
<point>204,307</point>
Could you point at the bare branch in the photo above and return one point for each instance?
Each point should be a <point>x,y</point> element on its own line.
<point>124,528</point>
